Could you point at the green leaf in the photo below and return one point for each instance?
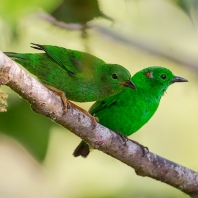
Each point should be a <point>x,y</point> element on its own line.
<point>75,11</point>
<point>190,7</point>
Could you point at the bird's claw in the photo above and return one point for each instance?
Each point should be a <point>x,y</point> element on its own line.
<point>145,149</point>
<point>66,105</point>
<point>123,137</point>
<point>94,119</point>
<point>61,94</point>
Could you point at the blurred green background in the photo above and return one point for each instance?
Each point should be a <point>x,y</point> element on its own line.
<point>36,154</point>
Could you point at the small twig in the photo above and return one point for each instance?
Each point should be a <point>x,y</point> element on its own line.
<point>68,26</point>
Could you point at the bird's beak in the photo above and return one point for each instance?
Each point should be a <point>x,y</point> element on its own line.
<point>128,83</point>
<point>178,79</point>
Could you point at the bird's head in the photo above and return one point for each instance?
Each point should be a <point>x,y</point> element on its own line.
<point>156,78</point>
<point>117,78</point>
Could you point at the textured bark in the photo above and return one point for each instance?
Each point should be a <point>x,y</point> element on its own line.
<point>48,104</point>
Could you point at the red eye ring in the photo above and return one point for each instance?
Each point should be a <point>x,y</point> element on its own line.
<point>148,74</point>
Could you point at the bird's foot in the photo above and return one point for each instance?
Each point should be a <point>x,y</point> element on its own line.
<point>94,119</point>
<point>67,104</point>
<point>61,94</point>
<point>123,137</point>
<point>145,149</point>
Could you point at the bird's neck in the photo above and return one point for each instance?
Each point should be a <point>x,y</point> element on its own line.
<point>158,92</point>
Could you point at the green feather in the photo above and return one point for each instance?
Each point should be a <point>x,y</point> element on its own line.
<point>127,111</point>
<point>81,76</point>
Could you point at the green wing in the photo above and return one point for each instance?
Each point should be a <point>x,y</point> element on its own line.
<point>72,60</point>
<point>102,104</point>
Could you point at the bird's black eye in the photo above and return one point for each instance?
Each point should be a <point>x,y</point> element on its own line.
<point>163,76</point>
<point>114,76</point>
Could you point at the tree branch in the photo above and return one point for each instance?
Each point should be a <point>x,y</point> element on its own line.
<point>68,26</point>
<point>184,59</point>
<point>180,57</point>
<point>48,104</point>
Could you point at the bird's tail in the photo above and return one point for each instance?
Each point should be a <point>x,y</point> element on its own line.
<point>15,55</point>
<point>82,150</point>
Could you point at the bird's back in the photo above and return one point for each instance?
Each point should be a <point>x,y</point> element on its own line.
<point>39,64</point>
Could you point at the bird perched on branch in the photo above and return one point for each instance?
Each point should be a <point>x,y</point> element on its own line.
<point>80,76</point>
<point>127,111</point>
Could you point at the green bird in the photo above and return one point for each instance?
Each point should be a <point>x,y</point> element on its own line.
<point>81,76</point>
<point>129,110</point>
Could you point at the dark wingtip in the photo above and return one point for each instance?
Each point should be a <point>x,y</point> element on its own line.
<point>15,55</point>
<point>178,79</point>
<point>37,46</point>
<point>10,53</point>
<point>81,150</point>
